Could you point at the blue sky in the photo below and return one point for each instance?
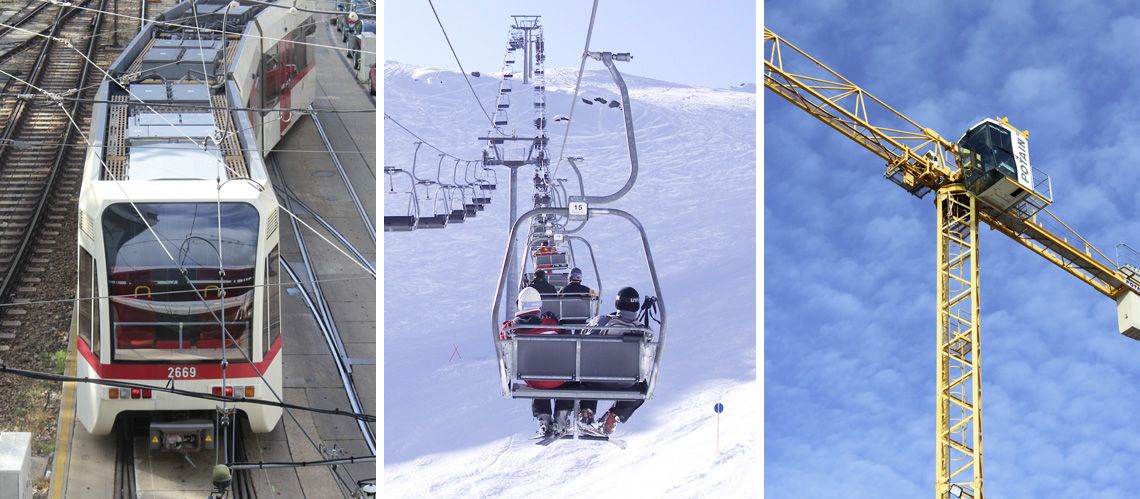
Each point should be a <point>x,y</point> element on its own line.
<point>710,45</point>
<point>849,302</point>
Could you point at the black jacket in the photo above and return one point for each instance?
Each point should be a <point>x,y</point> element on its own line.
<point>544,288</point>
<point>574,289</point>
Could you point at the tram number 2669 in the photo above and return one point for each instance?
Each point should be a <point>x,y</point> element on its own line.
<point>181,372</point>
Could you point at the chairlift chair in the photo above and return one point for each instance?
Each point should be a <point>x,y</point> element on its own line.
<point>400,222</point>
<point>489,184</point>
<point>439,212</point>
<point>455,202</point>
<point>630,360</point>
<point>469,203</point>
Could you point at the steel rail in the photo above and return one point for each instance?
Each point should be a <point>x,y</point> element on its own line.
<point>345,375</point>
<point>24,248</point>
<point>344,176</point>
<point>288,193</point>
<point>124,477</point>
<point>323,316</point>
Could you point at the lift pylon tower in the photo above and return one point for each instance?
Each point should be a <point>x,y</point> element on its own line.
<point>986,177</point>
<point>530,44</point>
<point>525,34</point>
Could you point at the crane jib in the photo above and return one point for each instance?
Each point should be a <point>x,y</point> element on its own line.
<point>994,184</point>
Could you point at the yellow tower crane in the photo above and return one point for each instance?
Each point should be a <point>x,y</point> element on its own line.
<point>986,177</point>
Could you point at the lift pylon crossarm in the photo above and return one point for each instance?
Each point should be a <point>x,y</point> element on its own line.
<point>918,159</point>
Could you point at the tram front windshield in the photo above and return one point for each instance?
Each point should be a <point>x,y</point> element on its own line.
<point>177,274</point>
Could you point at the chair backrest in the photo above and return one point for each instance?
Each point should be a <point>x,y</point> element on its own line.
<point>575,309</point>
<point>558,280</point>
<point>556,260</point>
<point>579,358</point>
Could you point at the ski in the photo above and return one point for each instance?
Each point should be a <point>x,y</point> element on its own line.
<point>585,433</point>
<point>593,433</point>
<point>550,438</point>
<point>616,441</point>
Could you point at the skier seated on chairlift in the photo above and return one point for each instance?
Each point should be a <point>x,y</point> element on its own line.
<point>529,314</point>
<point>543,286</point>
<point>576,289</point>
<point>628,303</point>
<point>544,249</point>
<point>541,183</point>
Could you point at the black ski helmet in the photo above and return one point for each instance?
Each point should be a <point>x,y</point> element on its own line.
<point>628,300</point>
<point>576,274</point>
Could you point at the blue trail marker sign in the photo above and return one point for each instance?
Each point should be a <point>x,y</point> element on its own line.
<point>718,408</point>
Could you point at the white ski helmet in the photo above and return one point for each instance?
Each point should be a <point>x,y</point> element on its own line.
<point>352,17</point>
<point>529,300</point>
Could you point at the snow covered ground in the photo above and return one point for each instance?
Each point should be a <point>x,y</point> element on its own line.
<point>448,432</point>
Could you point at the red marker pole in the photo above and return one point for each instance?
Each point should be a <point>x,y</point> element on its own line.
<point>454,353</point>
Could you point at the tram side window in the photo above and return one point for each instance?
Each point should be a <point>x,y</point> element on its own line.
<point>271,83</point>
<point>88,306</point>
<point>301,54</point>
<point>272,295</point>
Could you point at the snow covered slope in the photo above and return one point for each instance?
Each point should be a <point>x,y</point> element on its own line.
<point>448,430</point>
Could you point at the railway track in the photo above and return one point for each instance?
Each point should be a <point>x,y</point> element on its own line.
<point>130,437</point>
<point>305,272</point>
<point>40,149</point>
<point>125,486</point>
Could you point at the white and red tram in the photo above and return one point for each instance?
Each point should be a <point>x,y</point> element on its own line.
<point>178,271</point>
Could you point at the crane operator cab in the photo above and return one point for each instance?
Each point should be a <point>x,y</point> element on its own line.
<point>994,159</point>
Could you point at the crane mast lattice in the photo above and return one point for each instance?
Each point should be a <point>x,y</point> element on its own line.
<point>986,178</point>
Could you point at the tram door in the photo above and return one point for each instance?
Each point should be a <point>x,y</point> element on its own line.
<point>289,69</point>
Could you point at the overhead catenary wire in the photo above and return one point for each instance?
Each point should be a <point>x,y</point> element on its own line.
<point>201,29</point>
<point>280,403</point>
<point>163,293</point>
<point>4,369</point>
<point>197,292</point>
<point>194,141</point>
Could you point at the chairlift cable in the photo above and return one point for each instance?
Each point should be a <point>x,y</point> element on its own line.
<point>413,134</point>
<point>461,70</point>
<point>577,86</point>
